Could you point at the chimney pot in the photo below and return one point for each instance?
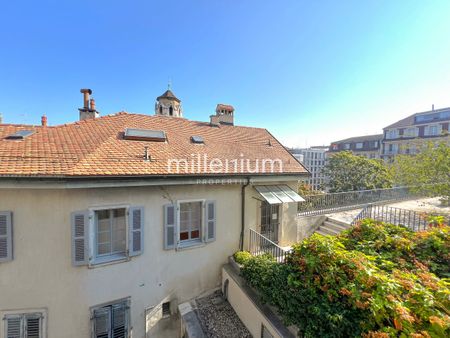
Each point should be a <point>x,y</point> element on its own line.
<point>432,107</point>
<point>44,121</point>
<point>86,92</point>
<point>92,104</point>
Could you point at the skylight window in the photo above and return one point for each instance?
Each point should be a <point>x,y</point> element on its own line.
<point>145,135</point>
<point>197,139</point>
<point>20,135</point>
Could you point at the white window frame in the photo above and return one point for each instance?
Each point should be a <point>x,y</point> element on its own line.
<point>24,312</point>
<point>433,127</point>
<point>346,146</point>
<point>195,242</point>
<point>93,259</point>
<point>359,145</point>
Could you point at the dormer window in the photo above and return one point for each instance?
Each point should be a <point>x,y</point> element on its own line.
<point>145,135</point>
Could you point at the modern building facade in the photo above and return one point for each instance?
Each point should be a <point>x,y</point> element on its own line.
<point>313,159</point>
<point>107,223</point>
<point>409,135</point>
<point>368,146</point>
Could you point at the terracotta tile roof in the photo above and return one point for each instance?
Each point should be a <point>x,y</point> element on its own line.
<point>97,148</point>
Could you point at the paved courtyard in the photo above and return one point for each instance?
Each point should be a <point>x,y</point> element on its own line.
<point>428,205</point>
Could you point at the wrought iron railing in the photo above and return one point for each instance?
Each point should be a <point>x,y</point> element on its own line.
<point>409,218</point>
<point>325,203</point>
<point>261,245</point>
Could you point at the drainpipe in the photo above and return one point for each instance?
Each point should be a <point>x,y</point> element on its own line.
<point>241,241</point>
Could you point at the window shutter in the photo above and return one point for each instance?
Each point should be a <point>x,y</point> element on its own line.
<point>6,241</point>
<point>120,320</point>
<point>136,231</point>
<point>33,326</point>
<point>80,221</point>
<point>169,226</point>
<point>13,326</point>
<point>210,218</point>
<point>102,322</point>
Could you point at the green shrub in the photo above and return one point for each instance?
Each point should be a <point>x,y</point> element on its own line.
<point>241,257</point>
<point>374,281</point>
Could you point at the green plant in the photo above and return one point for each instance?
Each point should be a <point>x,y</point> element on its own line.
<point>375,280</point>
<point>241,257</point>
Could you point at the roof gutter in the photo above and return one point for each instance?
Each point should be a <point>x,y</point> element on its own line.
<point>116,182</point>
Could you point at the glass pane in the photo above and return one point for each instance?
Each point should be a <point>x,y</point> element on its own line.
<point>103,232</point>
<point>119,231</point>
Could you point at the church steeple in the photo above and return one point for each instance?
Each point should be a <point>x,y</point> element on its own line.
<point>168,104</point>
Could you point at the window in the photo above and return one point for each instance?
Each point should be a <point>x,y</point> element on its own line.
<point>104,235</point>
<point>411,132</point>
<point>347,146</point>
<point>189,223</point>
<point>359,145</point>
<point>24,325</point>
<point>170,111</point>
<point>111,321</point>
<point>433,130</point>
<point>165,309</point>
<point>110,232</point>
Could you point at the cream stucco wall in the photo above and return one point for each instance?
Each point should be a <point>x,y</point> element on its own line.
<point>42,276</point>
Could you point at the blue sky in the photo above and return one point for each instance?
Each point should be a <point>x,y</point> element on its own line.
<point>309,71</point>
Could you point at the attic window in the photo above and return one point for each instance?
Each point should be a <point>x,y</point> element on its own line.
<point>145,135</point>
<point>197,139</point>
<point>20,135</point>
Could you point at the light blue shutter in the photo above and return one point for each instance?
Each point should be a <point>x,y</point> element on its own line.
<point>102,322</point>
<point>210,219</point>
<point>80,230</point>
<point>169,226</point>
<point>13,326</point>
<point>120,320</point>
<point>6,240</point>
<point>136,231</point>
<point>33,326</point>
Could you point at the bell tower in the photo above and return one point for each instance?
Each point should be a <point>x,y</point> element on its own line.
<point>168,104</point>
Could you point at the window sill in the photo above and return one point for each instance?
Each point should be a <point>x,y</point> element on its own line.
<point>108,260</point>
<point>190,245</point>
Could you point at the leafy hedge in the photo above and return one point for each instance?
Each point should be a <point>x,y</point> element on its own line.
<point>375,280</point>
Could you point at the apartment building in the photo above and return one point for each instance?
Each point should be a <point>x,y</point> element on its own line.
<point>313,159</point>
<point>368,146</point>
<point>410,134</point>
<point>107,223</point>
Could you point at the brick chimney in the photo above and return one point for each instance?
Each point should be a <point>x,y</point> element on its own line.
<point>44,121</point>
<point>1,118</point>
<point>88,111</point>
<point>224,115</point>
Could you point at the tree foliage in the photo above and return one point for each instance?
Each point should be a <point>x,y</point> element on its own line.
<point>375,280</point>
<point>349,172</point>
<point>428,171</point>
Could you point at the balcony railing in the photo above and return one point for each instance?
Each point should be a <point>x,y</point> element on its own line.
<point>325,203</point>
<point>411,219</point>
<point>261,245</point>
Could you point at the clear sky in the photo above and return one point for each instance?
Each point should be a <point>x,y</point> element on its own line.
<point>309,71</point>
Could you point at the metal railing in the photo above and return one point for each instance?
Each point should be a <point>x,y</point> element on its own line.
<point>261,245</point>
<point>331,202</point>
<point>411,219</point>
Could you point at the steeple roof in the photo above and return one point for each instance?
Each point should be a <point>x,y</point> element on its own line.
<point>168,95</point>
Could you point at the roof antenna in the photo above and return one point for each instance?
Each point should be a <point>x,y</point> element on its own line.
<point>169,84</point>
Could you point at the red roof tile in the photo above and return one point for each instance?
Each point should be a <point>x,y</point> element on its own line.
<point>97,148</point>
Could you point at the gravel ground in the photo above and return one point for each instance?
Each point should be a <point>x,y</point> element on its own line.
<point>218,318</point>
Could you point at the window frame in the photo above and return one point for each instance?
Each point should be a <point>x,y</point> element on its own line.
<point>126,301</point>
<point>41,312</point>
<point>190,242</point>
<point>98,260</point>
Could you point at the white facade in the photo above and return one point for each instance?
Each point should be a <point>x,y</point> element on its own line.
<point>314,160</point>
<point>129,284</point>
